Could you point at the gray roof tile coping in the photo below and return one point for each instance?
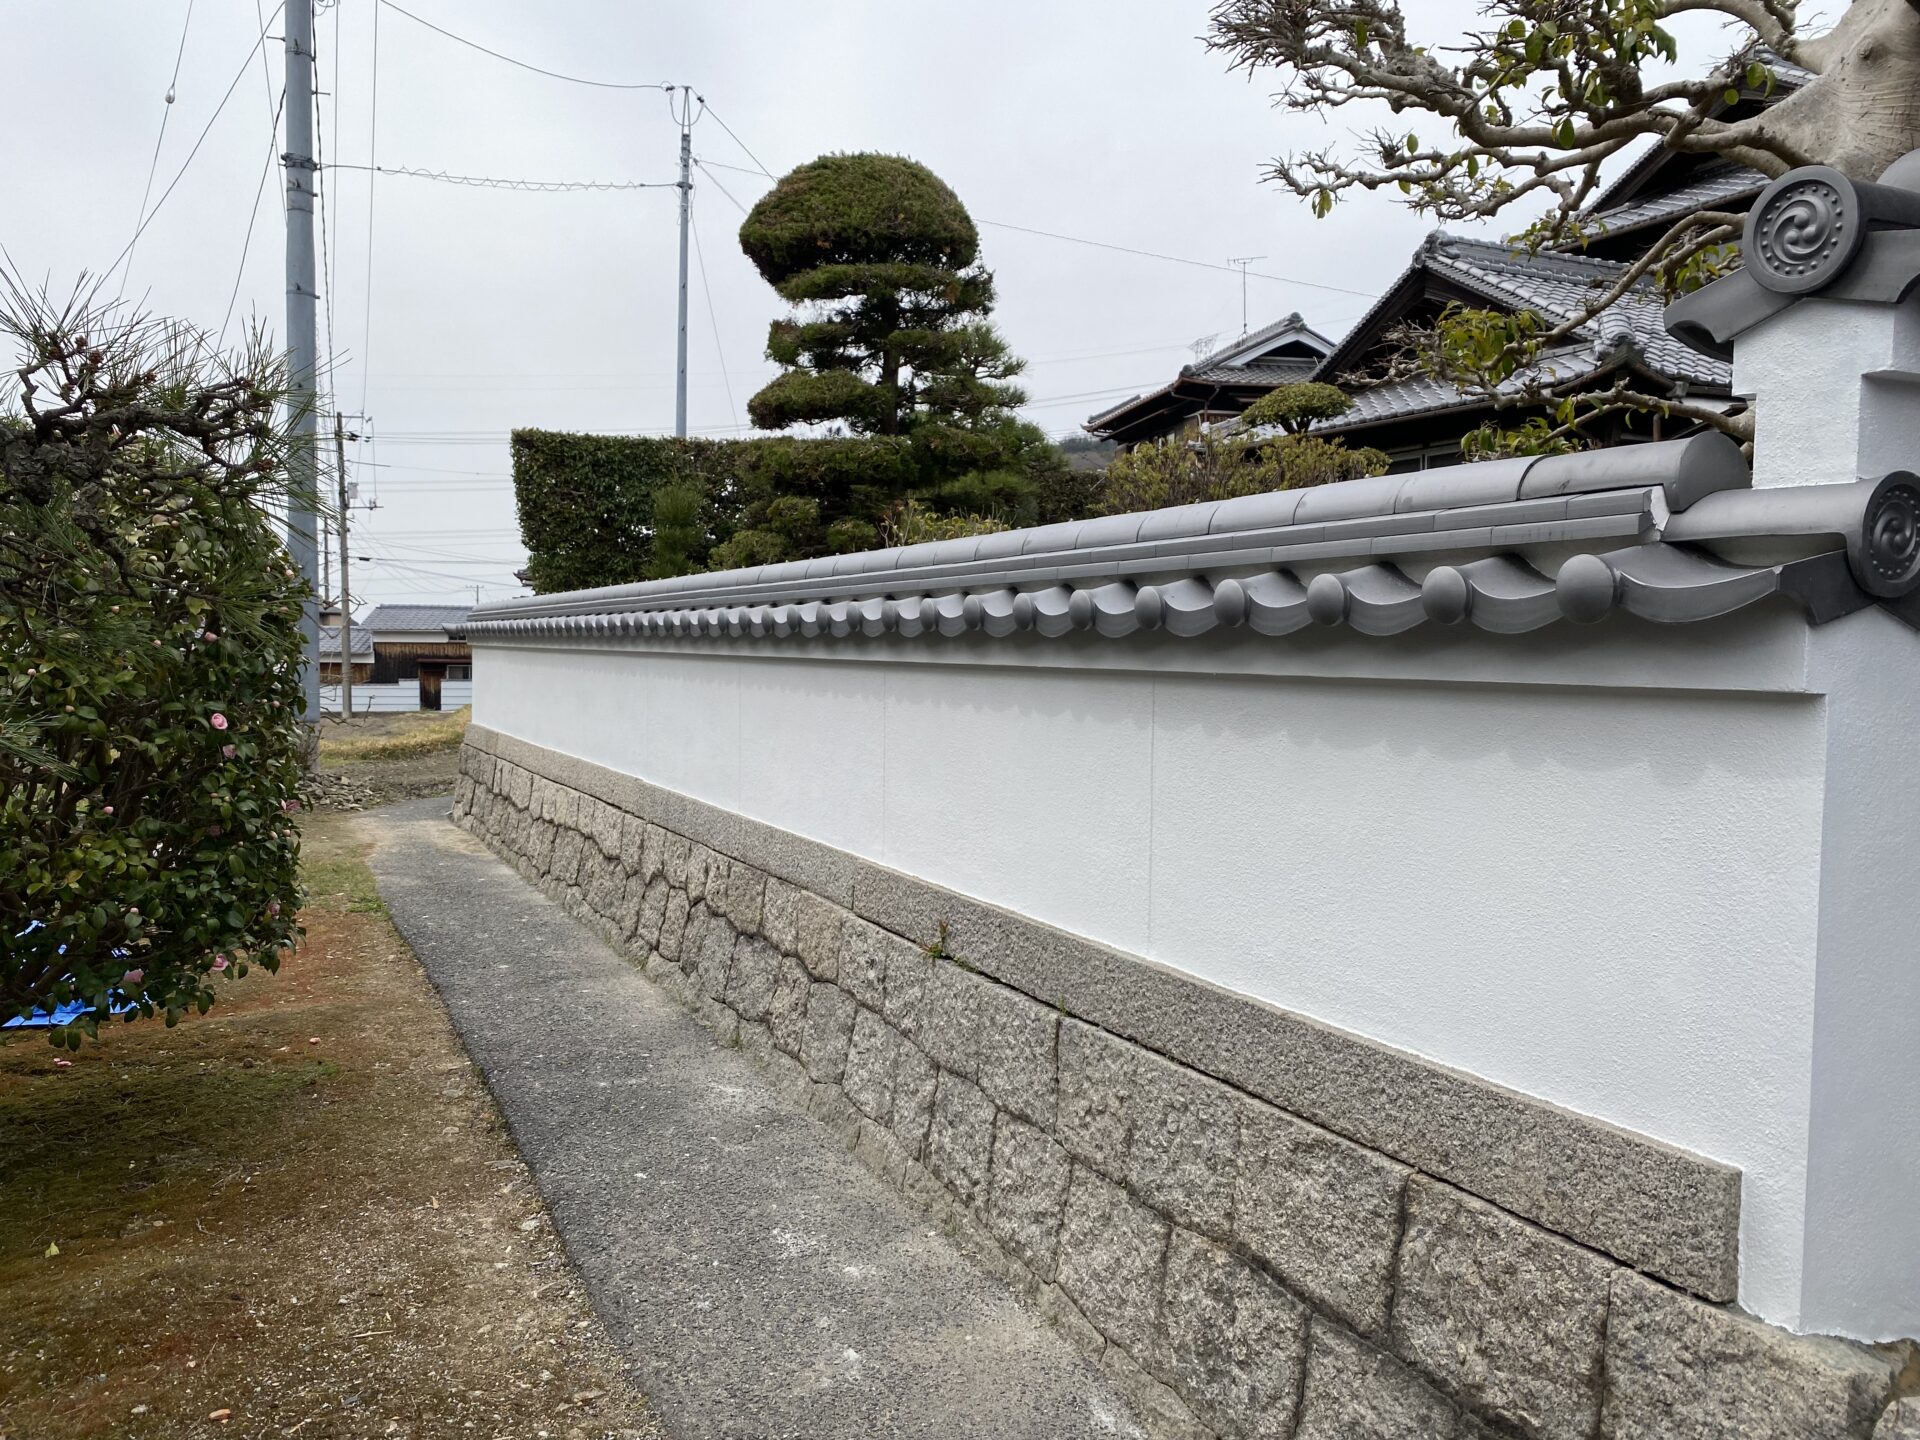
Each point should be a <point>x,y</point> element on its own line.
<point>1687,496</point>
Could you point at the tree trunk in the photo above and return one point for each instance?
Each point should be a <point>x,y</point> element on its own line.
<point>1862,111</point>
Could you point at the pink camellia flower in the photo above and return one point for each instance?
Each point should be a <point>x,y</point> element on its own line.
<point>208,636</point>
<point>106,809</point>
<point>133,979</point>
<point>219,962</point>
<point>289,804</point>
<point>217,720</point>
<point>273,908</point>
<point>228,752</point>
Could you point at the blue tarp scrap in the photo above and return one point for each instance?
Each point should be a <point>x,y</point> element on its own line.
<point>63,1015</point>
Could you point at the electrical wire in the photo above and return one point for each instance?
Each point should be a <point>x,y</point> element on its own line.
<point>497,183</point>
<point>1096,244</point>
<point>373,156</point>
<point>273,147</point>
<point>188,162</point>
<point>166,112</point>
<point>524,65</point>
<point>713,319</point>
<point>718,186</point>
<point>736,139</point>
<point>266,76</point>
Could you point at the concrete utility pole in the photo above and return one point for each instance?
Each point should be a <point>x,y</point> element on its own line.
<point>686,212</point>
<point>346,594</point>
<point>303,511</point>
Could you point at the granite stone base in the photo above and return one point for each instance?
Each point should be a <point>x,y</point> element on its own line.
<point>1241,1268</point>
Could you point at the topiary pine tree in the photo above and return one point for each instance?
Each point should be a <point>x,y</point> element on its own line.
<point>891,349</point>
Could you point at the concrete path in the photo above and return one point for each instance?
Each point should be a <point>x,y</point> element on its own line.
<point>764,1284</point>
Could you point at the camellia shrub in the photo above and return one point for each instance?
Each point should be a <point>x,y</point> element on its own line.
<point>151,745</point>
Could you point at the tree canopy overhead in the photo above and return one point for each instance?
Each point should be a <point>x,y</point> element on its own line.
<point>1533,106</point>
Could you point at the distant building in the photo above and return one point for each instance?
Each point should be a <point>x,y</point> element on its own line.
<point>330,655</point>
<point>1219,386</point>
<point>426,644</point>
<point>1420,422</point>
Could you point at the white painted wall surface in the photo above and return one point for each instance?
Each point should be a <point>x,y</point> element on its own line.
<point>1605,896</point>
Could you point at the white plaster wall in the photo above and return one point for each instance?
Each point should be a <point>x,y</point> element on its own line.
<point>1607,898</point>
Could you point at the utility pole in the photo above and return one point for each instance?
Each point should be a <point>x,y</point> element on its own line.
<point>303,510</point>
<point>346,595</point>
<point>686,212</point>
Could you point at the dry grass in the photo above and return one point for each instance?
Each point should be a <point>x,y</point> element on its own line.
<point>394,737</point>
<point>302,1210</point>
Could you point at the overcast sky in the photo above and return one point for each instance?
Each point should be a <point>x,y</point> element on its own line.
<point>1102,119</point>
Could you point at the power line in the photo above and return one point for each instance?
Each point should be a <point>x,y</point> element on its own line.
<point>1096,244</point>
<point>524,65</point>
<point>497,183</point>
<point>714,320</point>
<point>1177,259</point>
<point>737,140</point>
<point>166,112</point>
<point>718,186</point>
<point>253,216</point>
<point>373,156</point>
<point>187,163</point>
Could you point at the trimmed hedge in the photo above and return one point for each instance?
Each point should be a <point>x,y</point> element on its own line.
<point>586,505</point>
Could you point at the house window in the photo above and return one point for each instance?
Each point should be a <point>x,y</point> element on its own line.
<point>459,672</point>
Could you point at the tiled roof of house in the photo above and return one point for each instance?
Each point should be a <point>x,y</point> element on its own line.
<point>1556,287</point>
<point>1715,185</point>
<point>416,617</point>
<point>1240,362</point>
<point>330,643</point>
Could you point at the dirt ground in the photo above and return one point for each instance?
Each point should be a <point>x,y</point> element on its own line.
<point>297,1215</point>
<point>379,759</point>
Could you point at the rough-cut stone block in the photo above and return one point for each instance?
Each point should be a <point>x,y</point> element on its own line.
<point>652,851</point>
<point>780,915</point>
<point>913,1086</point>
<point>1027,1193</point>
<point>878,1148</point>
<point>1233,1342</point>
<point>818,934</point>
<point>829,1105</point>
<point>744,897</point>
<point>1678,1369</point>
<point>710,951</point>
<point>1506,1317</point>
<point>540,846</point>
<point>908,969</point>
<point>1355,1392</point>
<point>1185,1135</point>
<point>751,978</point>
<point>676,858</point>
<point>788,1017</point>
<point>519,787</point>
<point>994,1036</point>
<point>652,910</point>
<point>1111,1253</point>
<point>673,927</point>
<point>1901,1420</point>
<point>1095,1122</point>
<point>609,825</point>
<point>863,963</point>
<point>604,882</point>
<point>960,1141</point>
<point>566,857</point>
<point>633,842</point>
<point>1320,1211</point>
<point>829,1030</point>
<point>870,1058</point>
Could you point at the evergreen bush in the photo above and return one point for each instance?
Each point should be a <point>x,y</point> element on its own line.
<point>151,745</point>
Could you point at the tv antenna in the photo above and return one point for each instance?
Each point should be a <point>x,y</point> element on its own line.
<point>1240,263</point>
